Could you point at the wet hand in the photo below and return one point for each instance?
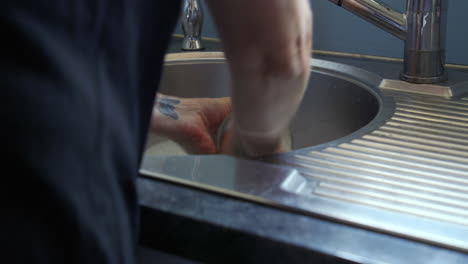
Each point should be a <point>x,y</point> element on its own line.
<point>191,122</point>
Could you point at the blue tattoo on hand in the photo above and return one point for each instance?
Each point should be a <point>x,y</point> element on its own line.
<point>166,107</point>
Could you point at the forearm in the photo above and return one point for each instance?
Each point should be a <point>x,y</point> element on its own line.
<point>268,45</point>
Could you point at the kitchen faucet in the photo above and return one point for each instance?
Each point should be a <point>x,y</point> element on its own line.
<point>192,22</point>
<point>422,28</point>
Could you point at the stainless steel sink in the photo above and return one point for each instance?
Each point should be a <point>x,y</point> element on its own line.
<point>335,105</point>
<point>365,154</point>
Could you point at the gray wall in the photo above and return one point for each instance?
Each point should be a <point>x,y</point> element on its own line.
<point>338,30</point>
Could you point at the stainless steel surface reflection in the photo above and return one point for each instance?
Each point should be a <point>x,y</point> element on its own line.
<point>218,172</point>
<point>400,168</point>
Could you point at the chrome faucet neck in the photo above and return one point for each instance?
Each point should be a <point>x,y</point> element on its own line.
<point>425,43</point>
<point>422,28</point>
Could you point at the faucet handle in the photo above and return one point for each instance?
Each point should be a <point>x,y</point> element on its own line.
<point>192,22</point>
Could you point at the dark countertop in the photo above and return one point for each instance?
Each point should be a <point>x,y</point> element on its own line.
<point>212,228</point>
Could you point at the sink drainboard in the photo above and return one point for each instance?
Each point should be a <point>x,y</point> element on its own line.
<point>415,164</point>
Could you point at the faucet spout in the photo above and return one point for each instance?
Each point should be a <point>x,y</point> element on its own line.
<point>378,14</point>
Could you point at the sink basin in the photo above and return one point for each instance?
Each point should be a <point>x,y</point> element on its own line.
<point>335,104</point>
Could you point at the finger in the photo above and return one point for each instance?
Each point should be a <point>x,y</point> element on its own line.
<point>199,144</point>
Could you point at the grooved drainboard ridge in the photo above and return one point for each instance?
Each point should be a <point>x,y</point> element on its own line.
<point>416,164</point>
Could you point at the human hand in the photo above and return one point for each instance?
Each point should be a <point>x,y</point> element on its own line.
<point>191,122</point>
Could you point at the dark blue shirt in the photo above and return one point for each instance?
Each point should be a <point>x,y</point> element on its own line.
<point>77,81</point>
